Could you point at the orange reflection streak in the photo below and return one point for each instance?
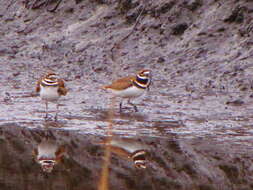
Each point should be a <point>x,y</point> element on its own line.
<point>103,184</point>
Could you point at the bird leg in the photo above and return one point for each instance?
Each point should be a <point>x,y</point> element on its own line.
<point>135,107</point>
<point>46,110</point>
<point>57,110</point>
<point>120,106</point>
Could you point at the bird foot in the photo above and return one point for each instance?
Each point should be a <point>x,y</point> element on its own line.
<point>56,117</point>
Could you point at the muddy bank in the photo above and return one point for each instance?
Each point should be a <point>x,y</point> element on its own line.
<point>196,119</point>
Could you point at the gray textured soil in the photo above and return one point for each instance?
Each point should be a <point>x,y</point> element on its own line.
<point>196,119</point>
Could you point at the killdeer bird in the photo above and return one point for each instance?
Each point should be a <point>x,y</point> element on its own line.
<point>130,87</point>
<point>50,88</point>
<point>48,154</point>
<point>129,149</point>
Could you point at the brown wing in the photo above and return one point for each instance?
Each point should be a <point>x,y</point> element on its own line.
<point>121,83</point>
<point>38,86</point>
<point>120,152</point>
<point>62,90</point>
<point>116,150</point>
<point>59,153</point>
<point>35,154</point>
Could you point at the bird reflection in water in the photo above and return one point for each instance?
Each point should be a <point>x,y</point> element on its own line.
<point>129,149</point>
<point>48,154</point>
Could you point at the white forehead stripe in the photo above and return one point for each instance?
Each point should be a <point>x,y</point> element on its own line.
<point>44,162</point>
<point>139,153</point>
<point>49,80</point>
<point>142,77</point>
<point>53,75</point>
<point>139,161</point>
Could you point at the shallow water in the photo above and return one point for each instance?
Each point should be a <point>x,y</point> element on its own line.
<point>182,142</point>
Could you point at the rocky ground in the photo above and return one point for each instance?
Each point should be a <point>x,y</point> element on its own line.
<point>196,118</point>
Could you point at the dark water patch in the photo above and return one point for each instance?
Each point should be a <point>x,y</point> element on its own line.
<point>168,163</point>
<point>174,146</point>
<point>168,184</point>
<point>231,172</point>
<point>206,187</point>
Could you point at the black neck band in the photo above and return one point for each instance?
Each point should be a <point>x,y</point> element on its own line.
<point>142,81</point>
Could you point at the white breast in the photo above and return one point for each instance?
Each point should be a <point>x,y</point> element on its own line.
<point>47,149</point>
<point>49,93</point>
<point>131,92</point>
